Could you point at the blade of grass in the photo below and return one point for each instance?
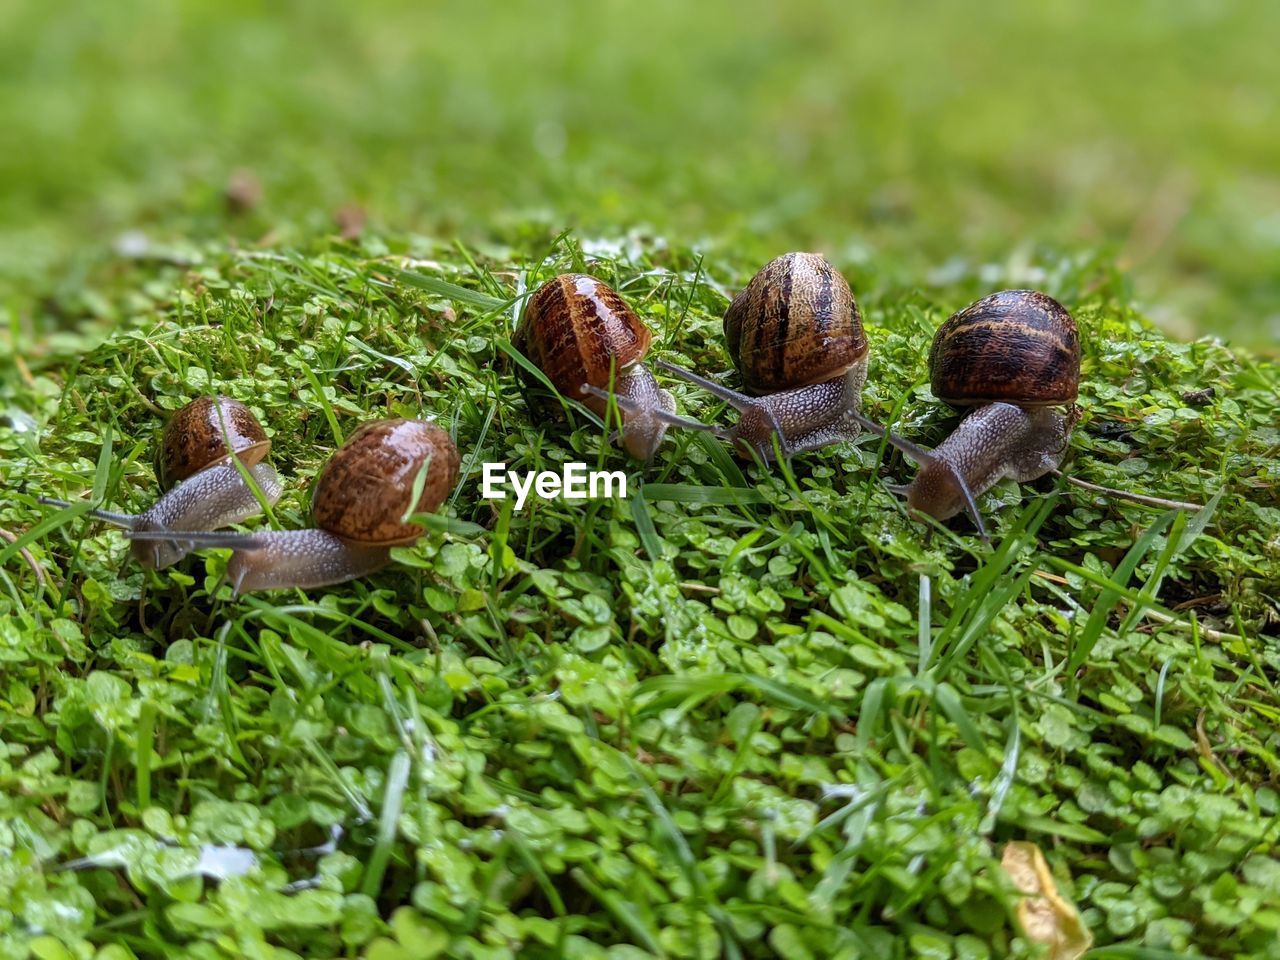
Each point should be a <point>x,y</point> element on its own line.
<point>622,910</point>
<point>983,601</point>
<point>220,694</point>
<point>924,634</point>
<point>685,859</point>
<point>364,812</point>
<point>1183,534</point>
<point>527,856</point>
<point>392,803</point>
<point>143,752</point>
<point>730,475</point>
<point>1123,951</point>
<point>1056,828</point>
<point>450,291</point>
<point>323,400</point>
<point>483,276</point>
<point>1106,601</point>
<point>948,700</point>
<point>873,706</point>
<point>400,362</point>
<point>645,529</point>
<point>1004,780</point>
<point>707,496</point>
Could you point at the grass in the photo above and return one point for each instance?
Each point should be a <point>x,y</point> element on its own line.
<point>740,713</point>
<point>921,139</point>
<point>743,713</point>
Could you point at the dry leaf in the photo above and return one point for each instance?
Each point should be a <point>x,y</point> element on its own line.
<point>1045,915</point>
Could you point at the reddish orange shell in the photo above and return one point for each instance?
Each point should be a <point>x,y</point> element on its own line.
<point>795,324</point>
<point>197,436</point>
<point>1016,346</point>
<point>366,488</point>
<point>576,329</point>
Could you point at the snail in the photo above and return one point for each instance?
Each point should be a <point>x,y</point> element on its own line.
<point>1014,357</point>
<point>796,338</point>
<point>205,489</point>
<point>795,335</point>
<point>584,337</point>
<point>363,498</point>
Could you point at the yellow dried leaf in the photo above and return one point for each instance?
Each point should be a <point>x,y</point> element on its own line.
<point>1045,915</point>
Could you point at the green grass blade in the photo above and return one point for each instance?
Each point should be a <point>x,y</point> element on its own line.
<point>948,700</point>
<point>624,911</point>
<point>1122,951</point>
<point>144,752</point>
<point>1084,643</point>
<point>645,529</point>
<point>704,496</point>
<point>450,291</point>
<point>392,804</point>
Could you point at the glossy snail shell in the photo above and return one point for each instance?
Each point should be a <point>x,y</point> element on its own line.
<point>795,324</point>
<point>575,328</point>
<point>1016,346</point>
<point>197,436</point>
<point>366,488</point>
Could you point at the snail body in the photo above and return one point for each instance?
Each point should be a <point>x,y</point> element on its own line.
<point>795,336</point>
<point>1014,358</point>
<point>363,497</point>
<point>205,489</point>
<point>585,338</point>
<point>216,497</point>
<point>994,442</point>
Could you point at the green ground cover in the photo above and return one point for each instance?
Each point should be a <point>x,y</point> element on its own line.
<point>741,713</point>
<point>927,136</point>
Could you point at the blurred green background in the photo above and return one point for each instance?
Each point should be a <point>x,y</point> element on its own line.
<point>921,137</point>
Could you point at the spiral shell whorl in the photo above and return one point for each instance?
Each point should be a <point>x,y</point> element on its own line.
<point>196,438</point>
<point>1016,346</point>
<point>366,487</point>
<point>575,328</point>
<point>795,324</point>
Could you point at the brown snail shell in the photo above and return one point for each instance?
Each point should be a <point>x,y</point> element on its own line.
<point>591,345</point>
<point>795,324</point>
<point>366,488</point>
<point>1015,346</point>
<point>577,330</point>
<point>197,436</point>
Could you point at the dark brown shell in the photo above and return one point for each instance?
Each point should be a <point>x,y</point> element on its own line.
<point>575,328</point>
<point>367,485</point>
<point>1019,346</point>
<point>197,436</point>
<point>796,323</point>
